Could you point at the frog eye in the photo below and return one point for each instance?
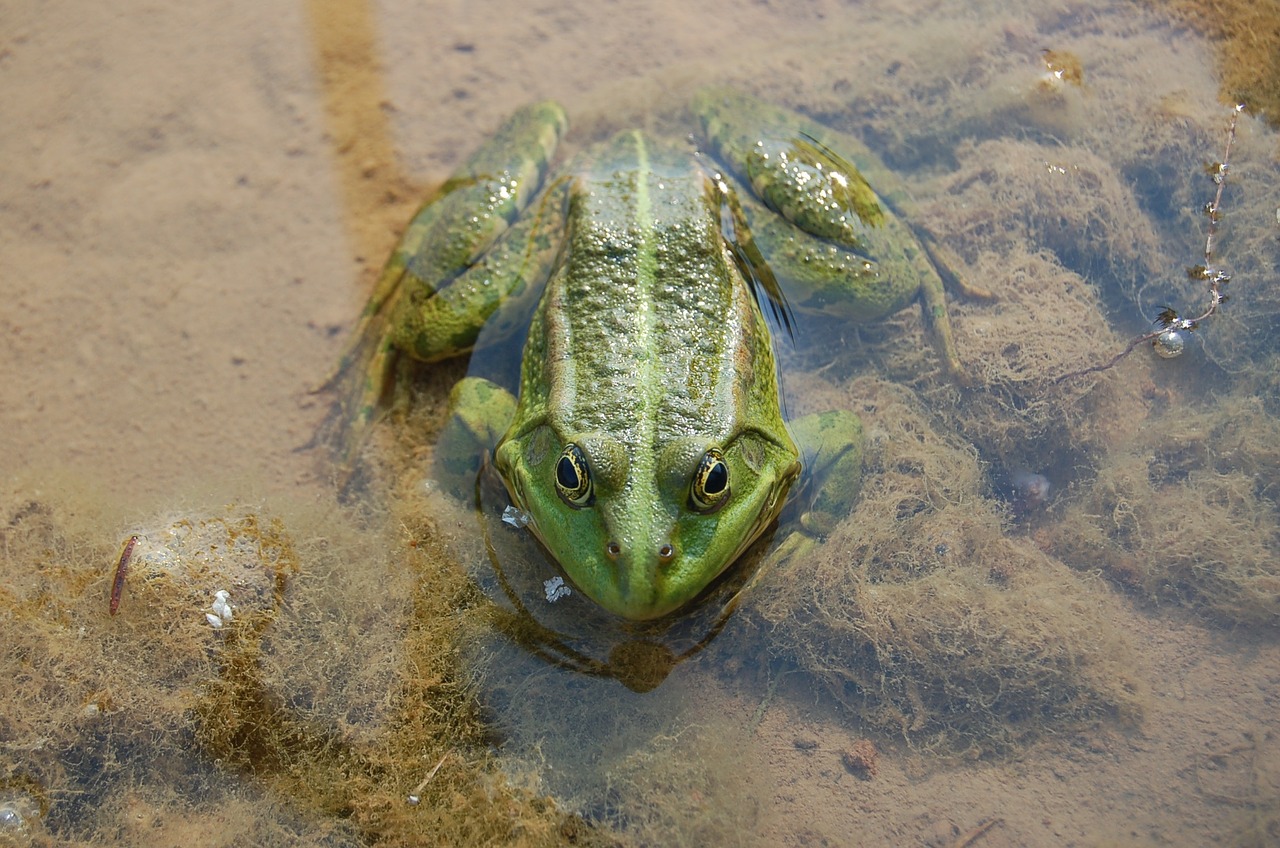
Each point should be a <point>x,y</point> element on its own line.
<point>710,487</point>
<point>573,478</point>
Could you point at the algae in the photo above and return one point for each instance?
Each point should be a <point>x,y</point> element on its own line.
<point>925,620</point>
<point>675,766</point>
<point>336,692</point>
<point>1247,33</point>
<point>1048,319</point>
<point>1184,512</point>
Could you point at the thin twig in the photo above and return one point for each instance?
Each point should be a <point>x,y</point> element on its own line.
<point>415,796</point>
<point>966,839</point>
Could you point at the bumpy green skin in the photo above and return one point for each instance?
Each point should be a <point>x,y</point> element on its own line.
<point>459,258</point>
<point>647,349</point>
<point>848,253</point>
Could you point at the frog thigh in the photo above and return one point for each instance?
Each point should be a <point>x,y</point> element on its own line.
<point>891,268</point>
<point>433,325</point>
<point>831,447</point>
<point>449,233</point>
<point>475,205</point>
<point>463,219</point>
<point>479,413</point>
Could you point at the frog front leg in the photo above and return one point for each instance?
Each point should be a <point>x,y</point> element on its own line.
<point>464,253</point>
<point>479,413</point>
<point>831,451</point>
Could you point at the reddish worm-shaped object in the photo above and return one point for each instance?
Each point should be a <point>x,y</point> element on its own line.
<point>117,588</point>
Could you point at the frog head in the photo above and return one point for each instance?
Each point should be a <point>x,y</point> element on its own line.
<point>643,532</point>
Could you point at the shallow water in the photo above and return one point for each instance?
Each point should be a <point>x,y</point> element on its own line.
<point>194,204</point>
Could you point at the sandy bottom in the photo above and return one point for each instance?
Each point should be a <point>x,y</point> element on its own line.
<point>195,201</point>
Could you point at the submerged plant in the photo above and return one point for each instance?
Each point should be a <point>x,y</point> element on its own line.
<point>1169,340</point>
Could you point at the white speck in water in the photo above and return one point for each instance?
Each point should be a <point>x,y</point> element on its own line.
<point>555,589</point>
<point>11,820</point>
<point>515,517</point>
<point>221,612</point>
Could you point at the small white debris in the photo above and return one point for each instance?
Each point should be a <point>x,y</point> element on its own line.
<point>221,613</point>
<point>415,797</point>
<point>12,822</point>
<point>515,517</point>
<point>555,589</point>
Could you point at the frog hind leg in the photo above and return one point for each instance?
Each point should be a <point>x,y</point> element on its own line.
<point>447,236</point>
<point>847,246</point>
<point>819,278</point>
<point>504,282</point>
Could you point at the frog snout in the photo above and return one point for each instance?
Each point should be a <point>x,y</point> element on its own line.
<point>640,578</point>
<point>666,551</point>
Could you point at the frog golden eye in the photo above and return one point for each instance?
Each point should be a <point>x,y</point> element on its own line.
<point>710,487</point>
<point>573,478</point>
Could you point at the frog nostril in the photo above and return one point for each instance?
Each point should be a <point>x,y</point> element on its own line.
<point>613,549</point>
<point>666,553</point>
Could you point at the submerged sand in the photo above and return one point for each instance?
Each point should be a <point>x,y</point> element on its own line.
<point>195,202</point>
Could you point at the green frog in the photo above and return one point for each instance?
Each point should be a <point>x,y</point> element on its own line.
<point>646,448</point>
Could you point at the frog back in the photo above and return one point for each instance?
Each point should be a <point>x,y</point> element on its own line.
<point>647,329</point>
<point>648,391</point>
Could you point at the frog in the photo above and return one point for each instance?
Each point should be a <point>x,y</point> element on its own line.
<point>645,446</point>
